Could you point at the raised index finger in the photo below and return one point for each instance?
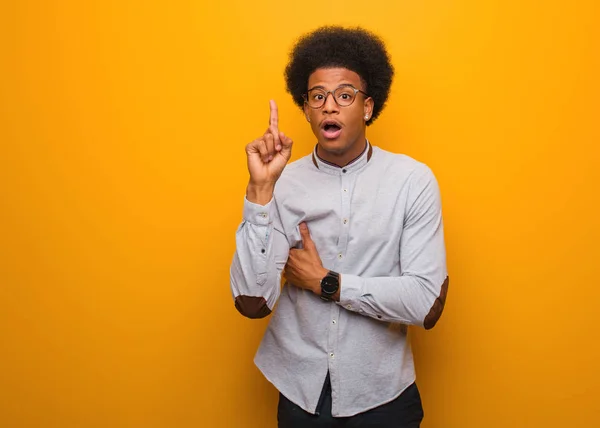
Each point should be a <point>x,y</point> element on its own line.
<point>274,117</point>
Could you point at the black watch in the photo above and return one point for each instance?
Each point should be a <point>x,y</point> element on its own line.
<point>330,285</point>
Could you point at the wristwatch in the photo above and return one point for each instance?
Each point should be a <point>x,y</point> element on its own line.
<point>330,285</point>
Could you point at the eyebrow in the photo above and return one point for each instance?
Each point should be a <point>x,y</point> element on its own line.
<point>323,87</point>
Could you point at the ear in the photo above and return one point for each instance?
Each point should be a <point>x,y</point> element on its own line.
<point>369,106</point>
<point>306,112</point>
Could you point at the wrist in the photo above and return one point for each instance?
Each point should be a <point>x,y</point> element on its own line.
<point>321,274</point>
<point>336,296</point>
<point>260,194</point>
<point>330,276</point>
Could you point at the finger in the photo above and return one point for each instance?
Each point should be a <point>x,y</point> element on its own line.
<point>270,144</point>
<point>274,116</point>
<point>287,271</point>
<point>288,274</point>
<point>276,138</point>
<point>306,239</point>
<point>262,149</point>
<point>279,146</point>
<point>274,122</point>
<point>286,147</point>
<point>253,147</point>
<point>291,257</point>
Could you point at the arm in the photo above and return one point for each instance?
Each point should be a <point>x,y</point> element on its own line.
<point>261,246</point>
<point>418,295</point>
<point>261,252</point>
<point>415,297</point>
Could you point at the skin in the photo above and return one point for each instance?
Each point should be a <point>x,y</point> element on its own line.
<point>352,140</point>
<point>268,155</point>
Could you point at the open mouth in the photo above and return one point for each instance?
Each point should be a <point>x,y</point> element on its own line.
<point>331,129</point>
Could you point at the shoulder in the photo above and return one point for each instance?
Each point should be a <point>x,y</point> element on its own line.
<point>400,164</point>
<point>298,168</point>
<point>295,172</point>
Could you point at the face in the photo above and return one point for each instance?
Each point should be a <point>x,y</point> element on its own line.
<point>340,131</point>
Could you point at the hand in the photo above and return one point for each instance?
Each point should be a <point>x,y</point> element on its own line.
<point>268,155</point>
<point>304,268</point>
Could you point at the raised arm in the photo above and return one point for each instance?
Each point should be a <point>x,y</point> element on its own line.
<point>261,247</point>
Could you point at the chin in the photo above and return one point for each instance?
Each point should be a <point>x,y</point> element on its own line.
<point>334,146</point>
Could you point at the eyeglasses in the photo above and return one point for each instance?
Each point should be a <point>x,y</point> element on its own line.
<point>343,95</point>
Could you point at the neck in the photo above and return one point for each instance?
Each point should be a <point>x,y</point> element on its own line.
<point>342,159</point>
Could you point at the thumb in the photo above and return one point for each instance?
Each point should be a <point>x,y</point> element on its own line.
<point>306,239</point>
<point>286,145</point>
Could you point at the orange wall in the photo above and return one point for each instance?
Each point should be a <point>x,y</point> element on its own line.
<point>122,172</point>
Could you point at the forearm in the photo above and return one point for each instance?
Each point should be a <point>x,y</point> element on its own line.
<point>257,263</point>
<point>417,296</point>
<point>259,194</point>
<point>406,299</point>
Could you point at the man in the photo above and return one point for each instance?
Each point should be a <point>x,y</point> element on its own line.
<point>356,231</point>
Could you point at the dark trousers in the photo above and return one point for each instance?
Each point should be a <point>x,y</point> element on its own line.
<point>405,411</point>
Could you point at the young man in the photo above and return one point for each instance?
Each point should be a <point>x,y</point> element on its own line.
<point>357,233</point>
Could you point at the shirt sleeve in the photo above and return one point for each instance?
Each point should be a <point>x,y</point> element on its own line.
<point>261,253</point>
<point>418,295</point>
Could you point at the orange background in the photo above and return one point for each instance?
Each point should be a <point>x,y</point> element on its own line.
<point>122,173</point>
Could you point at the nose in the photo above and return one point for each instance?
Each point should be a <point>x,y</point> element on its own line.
<point>330,105</point>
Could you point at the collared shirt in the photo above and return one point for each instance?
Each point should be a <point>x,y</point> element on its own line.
<point>377,222</point>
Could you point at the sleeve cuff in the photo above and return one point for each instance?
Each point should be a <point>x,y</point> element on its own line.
<point>260,215</point>
<point>351,292</point>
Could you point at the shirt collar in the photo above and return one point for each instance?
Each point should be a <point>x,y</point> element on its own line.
<point>353,166</point>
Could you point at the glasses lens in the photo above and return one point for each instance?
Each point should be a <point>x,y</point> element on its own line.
<point>345,95</point>
<point>316,98</point>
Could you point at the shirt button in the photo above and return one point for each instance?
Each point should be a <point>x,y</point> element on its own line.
<point>344,171</point>
<point>345,190</point>
<point>331,355</point>
<point>345,221</point>
<point>333,321</point>
<point>340,256</point>
<point>348,306</point>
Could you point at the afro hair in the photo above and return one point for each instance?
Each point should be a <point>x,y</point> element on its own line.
<point>355,49</point>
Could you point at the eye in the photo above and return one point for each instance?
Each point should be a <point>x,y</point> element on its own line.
<point>344,94</point>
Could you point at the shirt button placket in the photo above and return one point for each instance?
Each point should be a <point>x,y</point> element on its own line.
<point>332,341</point>
<point>346,181</point>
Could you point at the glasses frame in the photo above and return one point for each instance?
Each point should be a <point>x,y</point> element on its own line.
<point>356,91</point>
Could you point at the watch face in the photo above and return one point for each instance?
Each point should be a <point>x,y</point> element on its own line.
<point>329,285</point>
